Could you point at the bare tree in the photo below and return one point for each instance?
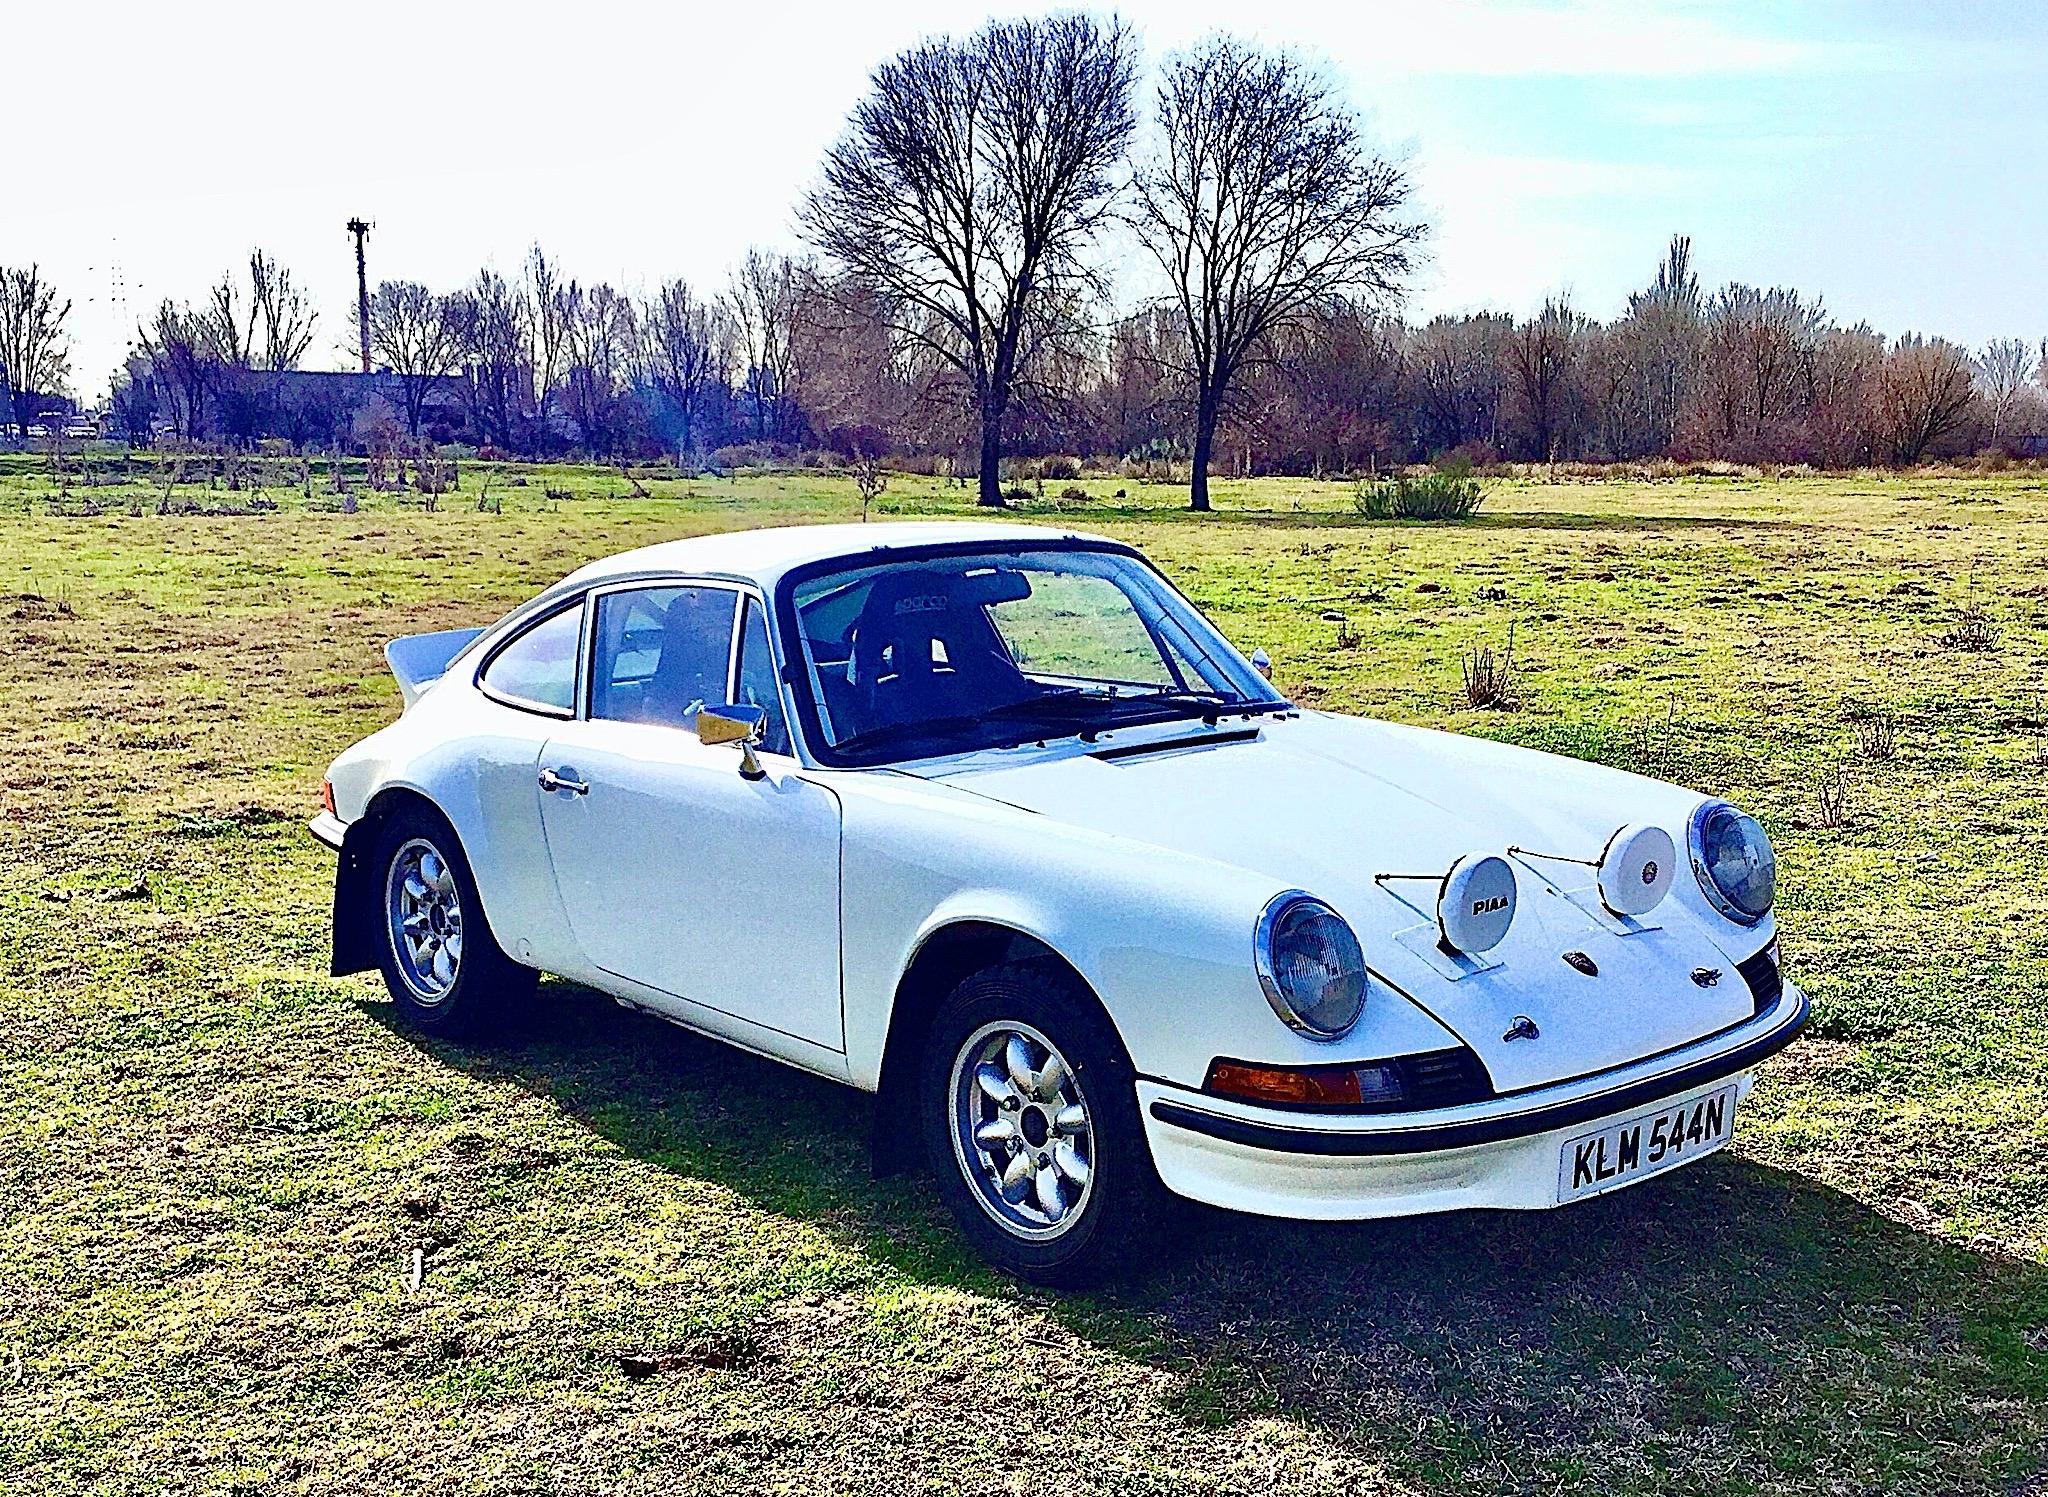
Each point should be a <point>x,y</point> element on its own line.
<point>417,335</point>
<point>1544,356</point>
<point>548,317</point>
<point>968,185</point>
<point>1755,375</point>
<point>600,337</point>
<point>683,350</point>
<point>1458,369</point>
<point>1660,344</point>
<point>35,353</point>
<point>1926,392</point>
<point>179,345</point>
<point>281,318</point>
<point>763,303</point>
<point>492,325</point>
<point>2002,373</point>
<point>1262,205</point>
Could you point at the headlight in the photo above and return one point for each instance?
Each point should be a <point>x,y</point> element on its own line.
<point>1733,859</point>
<point>1310,965</point>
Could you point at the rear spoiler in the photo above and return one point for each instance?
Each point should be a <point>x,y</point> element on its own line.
<point>419,660</point>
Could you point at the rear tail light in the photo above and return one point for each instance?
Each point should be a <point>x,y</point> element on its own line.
<point>327,797</point>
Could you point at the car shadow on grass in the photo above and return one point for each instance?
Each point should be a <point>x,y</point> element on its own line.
<point>1732,1324</point>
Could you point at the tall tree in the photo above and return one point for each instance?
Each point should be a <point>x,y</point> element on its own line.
<point>1926,392</point>
<point>683,351</point>
<point>763,303</point>
<point>1544,358</point>
<point>968,186</point>
<point>2002,371</point>
<point>35,353</point>
<point>281,317</point>
<point>179,345</point>
<point>548,313</point>
<point>1660,341</point>
<point>600,333</point>
<point>417,335</point>
<point>1262,205</point>
<point>493,325</point>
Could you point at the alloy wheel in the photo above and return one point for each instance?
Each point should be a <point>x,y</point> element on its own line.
<point>423,908</point>
<point>1021,1130</point>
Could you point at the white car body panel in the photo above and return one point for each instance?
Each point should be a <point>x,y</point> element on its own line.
<point>782,914</point>
<point>668,838</point>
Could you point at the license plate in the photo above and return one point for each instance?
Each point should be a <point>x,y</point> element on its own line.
<point>1623,1153</point>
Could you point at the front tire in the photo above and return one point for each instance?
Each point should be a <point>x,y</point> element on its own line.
<point>444,969</point>
<point>1030,1117</point>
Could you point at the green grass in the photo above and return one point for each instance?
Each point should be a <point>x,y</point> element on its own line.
<point>216,1163</point>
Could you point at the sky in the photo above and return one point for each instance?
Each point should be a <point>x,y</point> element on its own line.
<point>1892,157</point>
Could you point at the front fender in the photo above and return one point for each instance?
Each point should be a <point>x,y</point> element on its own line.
<point>1163,938</point>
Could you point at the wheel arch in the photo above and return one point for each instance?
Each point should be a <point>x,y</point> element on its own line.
<point>946,956</point>
<point>356,932</point>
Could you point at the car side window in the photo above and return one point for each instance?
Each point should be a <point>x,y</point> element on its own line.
<point>661,653</point>
<point>538,668</point>
<point>758,686</point>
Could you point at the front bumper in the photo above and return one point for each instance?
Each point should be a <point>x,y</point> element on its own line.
<point>1502,1153</point>
<point>328,829</point>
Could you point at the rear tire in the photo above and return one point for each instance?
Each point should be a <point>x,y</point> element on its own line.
<point>1029,1111</point>
<point>444,969</point>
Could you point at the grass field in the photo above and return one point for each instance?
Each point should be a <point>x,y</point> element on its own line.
<point>648,1264</point>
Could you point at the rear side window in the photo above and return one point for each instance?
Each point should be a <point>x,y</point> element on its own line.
<point>538,669</point>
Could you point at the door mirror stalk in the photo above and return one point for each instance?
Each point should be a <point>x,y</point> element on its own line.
<point>736,723</point>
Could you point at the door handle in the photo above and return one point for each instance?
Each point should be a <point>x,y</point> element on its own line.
<point>552,779</point>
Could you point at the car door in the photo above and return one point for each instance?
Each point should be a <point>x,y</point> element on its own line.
<point>676,871</point>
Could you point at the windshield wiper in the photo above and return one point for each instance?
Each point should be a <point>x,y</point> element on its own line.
<point>1208,705</point>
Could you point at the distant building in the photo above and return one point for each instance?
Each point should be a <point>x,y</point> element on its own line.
<point>348,391</point>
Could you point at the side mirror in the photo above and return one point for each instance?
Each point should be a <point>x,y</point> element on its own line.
<point>1262,663</point>
<point>735,723</point>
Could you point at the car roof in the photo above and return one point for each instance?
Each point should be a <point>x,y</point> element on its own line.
<point>763,556</point>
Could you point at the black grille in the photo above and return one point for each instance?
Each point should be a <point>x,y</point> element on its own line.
<point>1443,1078</point>
<point>1766,980</point>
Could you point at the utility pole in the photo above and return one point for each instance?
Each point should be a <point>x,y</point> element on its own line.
<point>361,230</point>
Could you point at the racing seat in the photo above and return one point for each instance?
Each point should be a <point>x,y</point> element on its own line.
<point>921,650</point>
<point>696,646</point>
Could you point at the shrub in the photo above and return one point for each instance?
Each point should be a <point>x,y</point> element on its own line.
<point>1016,493</point>
<point>1074,494</point>
<point>1973,632</point>
<point>1445,495</point>
<point>1058,468</point>
<point>1490,680</point>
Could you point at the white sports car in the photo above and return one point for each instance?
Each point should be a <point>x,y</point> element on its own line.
<point>990,821</point>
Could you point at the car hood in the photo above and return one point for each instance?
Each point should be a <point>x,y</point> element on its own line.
<point>1325,803</point>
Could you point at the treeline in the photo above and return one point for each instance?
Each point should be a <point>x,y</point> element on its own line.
<point>949,310</point>
<point>789,358</point>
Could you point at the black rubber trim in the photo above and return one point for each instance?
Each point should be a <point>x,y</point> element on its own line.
<point>1168,745</point>
<point>1476,1131</point>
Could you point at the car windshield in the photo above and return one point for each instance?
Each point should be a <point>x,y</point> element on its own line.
<point>940,654</point>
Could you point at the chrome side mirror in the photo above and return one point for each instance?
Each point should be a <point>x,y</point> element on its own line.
<point>736,723</point>
<point>1262,663</point>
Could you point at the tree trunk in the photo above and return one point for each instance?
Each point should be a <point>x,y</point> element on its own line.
<point>1205,440</point>
<point>991,495</point>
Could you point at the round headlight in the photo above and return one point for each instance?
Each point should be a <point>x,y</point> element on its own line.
<point>1737,869</point>
<point>1310,965</point>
